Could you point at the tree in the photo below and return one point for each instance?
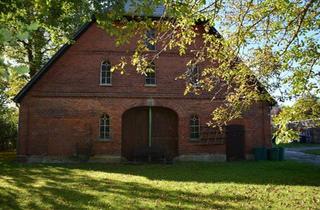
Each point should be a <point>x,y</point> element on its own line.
<point>40,28</point>
<point>10,80</point>
<point>304,113</point>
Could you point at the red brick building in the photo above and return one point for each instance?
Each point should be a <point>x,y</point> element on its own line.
<point>75,105</point>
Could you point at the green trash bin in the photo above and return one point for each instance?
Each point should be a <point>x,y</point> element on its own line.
<point>260,153</point>
<point>273,154</point>
<point>281,153</point>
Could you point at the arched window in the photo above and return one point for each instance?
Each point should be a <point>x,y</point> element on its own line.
<point>194,127</point>
<point>105,127</point>
<point>105,73</point>
<point>151,75</point>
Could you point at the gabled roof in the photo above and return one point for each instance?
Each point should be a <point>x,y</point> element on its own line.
<point>75,37</point>
<point>52,60</point>
<point>60,52</point>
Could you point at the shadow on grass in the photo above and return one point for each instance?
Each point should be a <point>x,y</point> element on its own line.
<point>62,186</point>
<point>58,187</point>
<point>243,172</point>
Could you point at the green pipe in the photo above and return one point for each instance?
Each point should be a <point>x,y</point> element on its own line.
<point>150,126</point>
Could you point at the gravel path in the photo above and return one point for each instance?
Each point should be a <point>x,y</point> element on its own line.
<point>298,155</point>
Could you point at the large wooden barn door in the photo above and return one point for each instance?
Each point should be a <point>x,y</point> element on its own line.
<point>235,142</point>
<point>149,133</point>
<point>165,132</point>
<point>134,132</point>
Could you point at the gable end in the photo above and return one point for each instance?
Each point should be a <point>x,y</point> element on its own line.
<point>51,61</point>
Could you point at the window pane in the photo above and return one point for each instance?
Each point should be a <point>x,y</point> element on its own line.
<point>151,33</point>
<point>194,135</point>
<point>103,77</point>
<point>102,133</point>
<point>151,46</point>
<point>194,129</point>
<point>107,135</point>
<point>107,128</point>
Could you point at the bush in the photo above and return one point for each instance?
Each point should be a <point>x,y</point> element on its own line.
<point>8,129</point>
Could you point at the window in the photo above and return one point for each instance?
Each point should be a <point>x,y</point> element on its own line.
<point>151,75</point>
<point>194,75</point>
<point>150,38</point>
<point>194,127</point>
<point>105,73</point>
<point>105,127</point>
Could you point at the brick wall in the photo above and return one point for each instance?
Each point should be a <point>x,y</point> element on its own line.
<point>64,106</point>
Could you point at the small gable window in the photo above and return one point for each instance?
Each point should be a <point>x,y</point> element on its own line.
<point>194,75</point>
<point>105,127</point>
<point>150,78</point>
<point>150,38</point>
<point>105,73</point>
<point>194,127</point>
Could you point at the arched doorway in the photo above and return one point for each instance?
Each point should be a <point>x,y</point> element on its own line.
<point>149,133</point>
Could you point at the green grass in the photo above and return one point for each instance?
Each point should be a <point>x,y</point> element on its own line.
<point>236,185</point>
<point>297,145</point>
<point>312,151</point>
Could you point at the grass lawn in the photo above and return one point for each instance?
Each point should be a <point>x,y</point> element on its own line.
<point>312,151</point>
<point>236,185</point>
<point>297,145</point>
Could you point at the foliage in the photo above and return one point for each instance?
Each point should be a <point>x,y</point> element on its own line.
<point>238,185</point>
<point>39,28</point>
<point>304,110</point>
<point>11,80</point>
<point>8,129</point>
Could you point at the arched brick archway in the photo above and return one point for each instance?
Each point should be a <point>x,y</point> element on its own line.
<point>149,133</point>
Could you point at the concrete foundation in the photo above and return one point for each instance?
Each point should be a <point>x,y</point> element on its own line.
<point>202,157</point>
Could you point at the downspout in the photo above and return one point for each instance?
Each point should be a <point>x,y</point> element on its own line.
<point>150,126</point>
<point>263,125</point>
<point>150,133</point>
<point>18,133</point>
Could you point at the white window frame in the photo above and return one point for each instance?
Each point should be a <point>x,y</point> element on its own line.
<point>105,125</point>
<point>191,126</point>
<point>107,63</point>
<point>194,74</point>
<point>147,40</point>
<point>155,76</point>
